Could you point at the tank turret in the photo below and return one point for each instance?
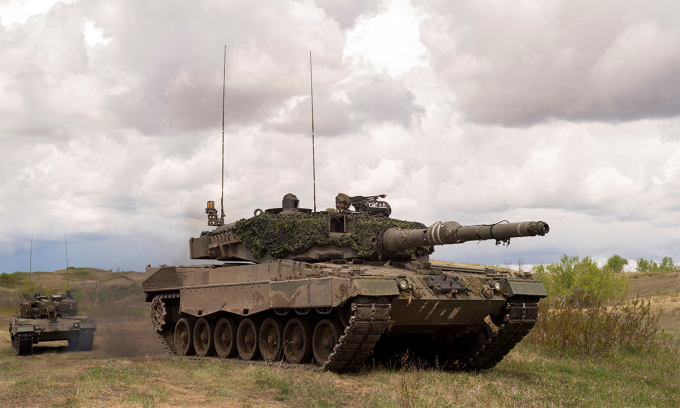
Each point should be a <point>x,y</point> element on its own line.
<point>369,234</point>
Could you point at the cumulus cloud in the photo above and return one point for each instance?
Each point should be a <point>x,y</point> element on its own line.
<point>366,99</point>
<point>521,64</point>
<point>112,114</point>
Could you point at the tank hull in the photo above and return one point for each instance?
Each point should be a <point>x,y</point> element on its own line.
<point>342,309</point>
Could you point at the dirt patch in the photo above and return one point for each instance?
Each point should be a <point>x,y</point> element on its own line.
<point>127,337</point>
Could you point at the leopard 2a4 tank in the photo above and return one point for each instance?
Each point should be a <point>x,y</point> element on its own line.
<point>50,318</point>
<point>332,287</point>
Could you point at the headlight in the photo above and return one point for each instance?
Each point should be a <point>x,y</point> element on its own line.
<point>496,285</point>
<point>76,325</point>
<point>403,284</point>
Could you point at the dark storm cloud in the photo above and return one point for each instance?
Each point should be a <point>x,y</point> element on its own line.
<point>366,99</point>
<point>519,64</point>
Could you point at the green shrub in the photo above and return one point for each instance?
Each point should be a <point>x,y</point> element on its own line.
<point>12,280</point>
<point>573,275</point>
<point>589,327</point>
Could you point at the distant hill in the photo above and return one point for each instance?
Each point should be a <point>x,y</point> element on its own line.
<point>117,289</point>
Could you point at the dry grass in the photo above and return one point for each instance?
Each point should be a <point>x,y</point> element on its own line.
<point>653,283</point>
<point>129,367</point>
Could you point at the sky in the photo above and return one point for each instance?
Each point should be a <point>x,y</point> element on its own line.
<point>565,111</point>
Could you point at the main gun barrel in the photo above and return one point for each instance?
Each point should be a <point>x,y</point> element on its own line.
<point>451,232</point>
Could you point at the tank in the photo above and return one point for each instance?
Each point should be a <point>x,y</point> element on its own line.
<point>50,318</point>
<point>334,287</point>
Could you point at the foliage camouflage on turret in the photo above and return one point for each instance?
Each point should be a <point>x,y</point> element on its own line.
<point>284,234</point>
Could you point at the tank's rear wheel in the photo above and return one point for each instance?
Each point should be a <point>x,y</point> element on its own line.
<point>297,341</point>
<point>203,337</point>
<point>86,340</point>
<point>271,339</point>
<point>225,337</point>
<point>246,339</point>
<point>326,335</point>
<point>184,341</point>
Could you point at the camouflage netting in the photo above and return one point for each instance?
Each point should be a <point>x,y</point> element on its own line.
<point>34,309</point>
<point>292,234</point>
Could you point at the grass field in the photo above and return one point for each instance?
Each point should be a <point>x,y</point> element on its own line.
<point>129,367</point>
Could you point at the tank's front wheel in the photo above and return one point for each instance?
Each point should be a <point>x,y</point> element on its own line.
<point>246,339</point>
<point>271,339</point>
<point>225,337</point>
<point>326,335</point>
<point>184,342</point>
<point>297,341</point>
<point>203,337</point>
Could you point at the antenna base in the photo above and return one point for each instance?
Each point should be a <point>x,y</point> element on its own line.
<point>213,219</point>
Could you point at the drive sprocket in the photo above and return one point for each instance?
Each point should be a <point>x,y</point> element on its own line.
<point>158,313</point>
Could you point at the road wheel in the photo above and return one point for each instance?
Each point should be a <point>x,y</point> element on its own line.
<point>184,340</point>
<point>225,337</point>
<point>326,335</point>
<point>246,339</point>
<point>203,337</point>
<point>297,341</point>
<point>271,339</point>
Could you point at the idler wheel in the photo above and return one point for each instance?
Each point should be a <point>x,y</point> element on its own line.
<point>157,313</point>
<point>203,337</point>
<point>246,339</point>
<point>184,339</point>
<point>297,341</point>
<point>225,337</point>
<point>271,339</point>
<point>326,335</point>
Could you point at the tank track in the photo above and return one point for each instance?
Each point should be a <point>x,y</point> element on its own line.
<point>366,325</point>
<point>369,320</point>
<point>167,334</point>
<point>520,317</point>
<point>22,344</point>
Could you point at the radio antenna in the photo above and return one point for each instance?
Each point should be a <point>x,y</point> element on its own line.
<point>311,88</point>
<point>30,264</point>
<point>68,282</point>
<point>224,80</point>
